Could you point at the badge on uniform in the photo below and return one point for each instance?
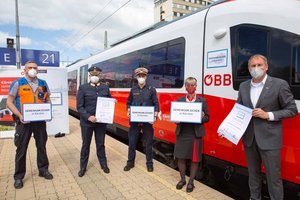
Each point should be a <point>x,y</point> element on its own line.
<point>41,94</point>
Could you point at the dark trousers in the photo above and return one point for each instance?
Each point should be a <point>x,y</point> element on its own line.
<point>22,138</point>
<point>271,160</point>
<point>86,135</point>
<point>133,136</point>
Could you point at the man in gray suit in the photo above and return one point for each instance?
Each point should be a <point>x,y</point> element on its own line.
<point>272,101</point>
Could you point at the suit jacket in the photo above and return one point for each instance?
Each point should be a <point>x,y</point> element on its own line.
<point>276,97</point>
<point>87,100</point>
<point>198,128</point>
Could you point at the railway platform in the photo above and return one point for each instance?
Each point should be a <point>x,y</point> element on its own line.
<point>63,156</point>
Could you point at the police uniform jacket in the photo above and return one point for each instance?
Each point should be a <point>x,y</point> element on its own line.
<point>87,100</point>
<point>145,96</point>
<point>198,128</point>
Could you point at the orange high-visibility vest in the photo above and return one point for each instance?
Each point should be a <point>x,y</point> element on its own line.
<point>26,95</point>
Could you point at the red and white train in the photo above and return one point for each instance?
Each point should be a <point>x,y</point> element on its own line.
<point>213,45</point>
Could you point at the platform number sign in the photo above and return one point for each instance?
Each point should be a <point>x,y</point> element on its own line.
<point>41,57</point>
<point>7,56</point>
<point>48,58</point>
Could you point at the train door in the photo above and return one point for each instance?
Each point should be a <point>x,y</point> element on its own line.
<point>232,36</point>
<point>217,87</point>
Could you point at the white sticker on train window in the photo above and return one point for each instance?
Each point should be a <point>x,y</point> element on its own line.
<point>218,58</point>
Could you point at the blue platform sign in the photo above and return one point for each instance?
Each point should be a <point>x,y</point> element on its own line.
<point>41,57</point>
<point>7,56</point>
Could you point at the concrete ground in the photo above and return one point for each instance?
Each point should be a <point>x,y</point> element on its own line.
<point>63,155</point>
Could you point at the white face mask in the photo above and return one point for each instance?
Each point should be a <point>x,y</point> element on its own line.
<point>256,72</point>
<point>141,80</point>
<point>94,79</point>
<point>32,73</point>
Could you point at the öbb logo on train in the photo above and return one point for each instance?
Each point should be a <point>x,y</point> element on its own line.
<point>217,80</point>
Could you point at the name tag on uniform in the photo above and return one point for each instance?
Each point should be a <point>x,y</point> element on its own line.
<point>37,112</point>
<point>142,114</point>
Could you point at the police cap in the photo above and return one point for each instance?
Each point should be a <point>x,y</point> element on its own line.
<point>141,70</point>
<point>94,70</point>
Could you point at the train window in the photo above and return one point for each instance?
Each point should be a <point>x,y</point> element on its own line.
<point>165,62</point>
<point>72,82</point>
<point>277,45</point>
<point>279,57</point>
<point>296,66</point>
<point>109,70</point>
<point>83,78</point>
<point>166,65</point>
<point>249,41</point>
<point>127,65</point>
<point>158,55</point>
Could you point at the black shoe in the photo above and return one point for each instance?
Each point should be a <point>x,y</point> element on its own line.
<point>150,168</point>
<point>59,135</point>
<point>180,185</point>
<point>106,170</point>
<point>81,172</point>
<point>190,187</point>
<point>128,167</point>
<point>18,183</point>
<point>47,175</point>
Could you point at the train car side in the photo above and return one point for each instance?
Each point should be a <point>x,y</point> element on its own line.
<point>212,45</point>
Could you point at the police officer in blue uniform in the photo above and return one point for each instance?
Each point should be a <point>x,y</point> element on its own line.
<point>141,95</point>
<point>86,105</point>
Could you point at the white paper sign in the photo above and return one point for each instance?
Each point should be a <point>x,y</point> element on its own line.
<point>56,98</point>
<point>37,112</point>
<point>186,112</point>
<point>217,58</point>
<point>142,114</point>
<point>105,110</point>
<point>236,123</point>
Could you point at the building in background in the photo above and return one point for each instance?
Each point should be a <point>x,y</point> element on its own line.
<point>167,10</point>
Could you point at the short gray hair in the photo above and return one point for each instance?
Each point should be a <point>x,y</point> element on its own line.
<point>258,56</point>
<point>189,80</point>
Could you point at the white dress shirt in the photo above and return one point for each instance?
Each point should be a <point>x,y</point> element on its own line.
<point>255,91</point>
